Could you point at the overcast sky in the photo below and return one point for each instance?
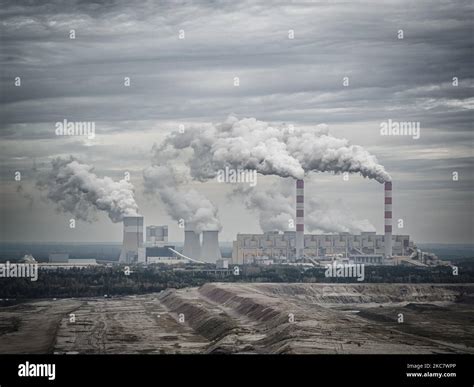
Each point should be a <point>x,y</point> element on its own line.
<point>189,81</point>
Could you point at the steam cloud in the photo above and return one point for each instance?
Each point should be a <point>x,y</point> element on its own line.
<point>26,195</point>
<point>326,217</point>
<point>76,189</point>
<point>276,207</point>
<point>252,144</point>
<point>198,212</point>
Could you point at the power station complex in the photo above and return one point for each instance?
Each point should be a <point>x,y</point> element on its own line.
<point>269,247</point>
<point>364,248</point>
<point>156,248</point>
<point>295,245</point>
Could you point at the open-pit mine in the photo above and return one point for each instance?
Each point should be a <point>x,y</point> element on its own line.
<point>263,318</point>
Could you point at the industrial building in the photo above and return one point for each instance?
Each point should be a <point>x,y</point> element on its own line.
<point>58,258</point>
<point>69,263</point>
<point>156,236</point>
<point>162,255</point>
<point>156,249</point>
<point>368,247</point>
<point>62,260</point>
<point>292,246</point>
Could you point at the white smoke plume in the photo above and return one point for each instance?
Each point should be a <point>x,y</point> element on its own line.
<point>276,208</point>
<point>326,217</point>
<point>26,195</point>
<point>198,212</point>
<point>281,151</point>
<point>76,189</point>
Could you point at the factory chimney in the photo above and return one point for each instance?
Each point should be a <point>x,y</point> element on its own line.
<point>192,245</point>
<point>299,243</point>
<point>132,238</point>
<point>388,219</point>
<point>210,251</point>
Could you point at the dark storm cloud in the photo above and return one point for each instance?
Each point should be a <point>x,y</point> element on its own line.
<point>281,80</point>
<point>332,40</point>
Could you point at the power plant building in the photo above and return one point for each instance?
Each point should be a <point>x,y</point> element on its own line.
<point>291,246</point>
<point>252,248</point>
<point>162,255</point>
<point>156,235</point>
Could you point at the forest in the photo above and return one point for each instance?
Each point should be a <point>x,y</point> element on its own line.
<point>112,281</point>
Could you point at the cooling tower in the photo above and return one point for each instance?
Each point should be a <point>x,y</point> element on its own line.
<point>388,219</point>
<point>132,238</point>
<point>299,244</point>
<point>192,245</point>
<point>210,251</point>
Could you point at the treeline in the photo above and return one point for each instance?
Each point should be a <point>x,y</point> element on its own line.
<point>372,274</point>
<point>97,281</point>
<point>112,281</point>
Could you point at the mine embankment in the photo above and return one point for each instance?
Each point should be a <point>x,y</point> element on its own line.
<point>251,318</point>
<point>367,293</point>
<point>327,318</point>
<point>208,322</point>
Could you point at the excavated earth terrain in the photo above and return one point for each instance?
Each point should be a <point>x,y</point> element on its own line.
<point>251,318</point>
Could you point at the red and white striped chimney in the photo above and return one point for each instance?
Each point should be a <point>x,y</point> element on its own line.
<point>299,243</point>
<point>388,219</point>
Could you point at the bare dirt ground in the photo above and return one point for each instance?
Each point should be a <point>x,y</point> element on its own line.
<point>251,318</point>
<point>32,327</point>
<point>135,324</point>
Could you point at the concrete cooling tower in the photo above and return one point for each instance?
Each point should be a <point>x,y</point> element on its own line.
<point>210,251</point>
<point>132,238</point>
<point>192,245</point>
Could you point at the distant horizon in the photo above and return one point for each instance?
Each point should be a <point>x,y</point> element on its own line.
<point>181,242</point>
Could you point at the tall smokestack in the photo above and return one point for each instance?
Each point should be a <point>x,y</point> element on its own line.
<point>192,245</point>
<point>210,246</point>
<point>299,218</point>
<point>388,219</point>
<point>132,238</point>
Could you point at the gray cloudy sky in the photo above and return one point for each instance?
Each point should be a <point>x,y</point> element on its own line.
<point>282,80</point>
